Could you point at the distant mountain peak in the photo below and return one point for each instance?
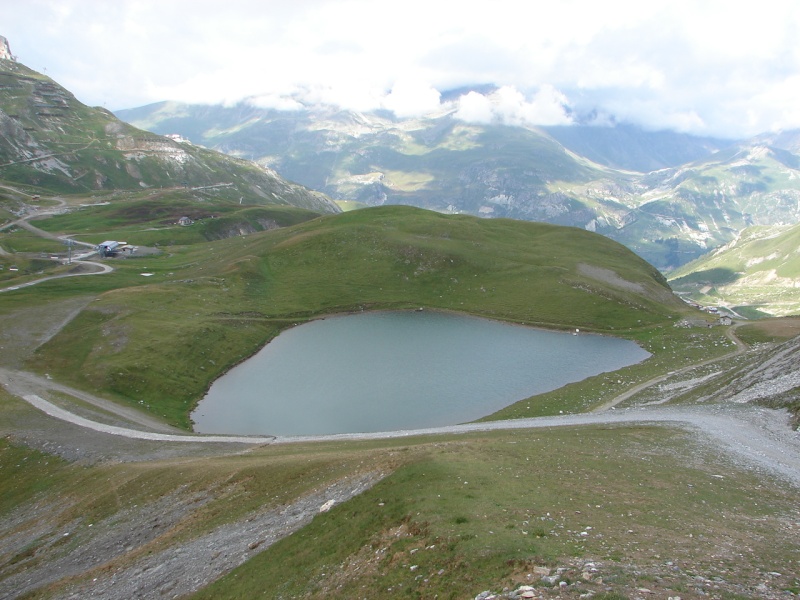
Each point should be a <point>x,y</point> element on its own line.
<point>5,50</point>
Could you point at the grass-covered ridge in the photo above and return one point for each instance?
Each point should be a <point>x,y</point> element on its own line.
<point>454,515</point>
<point>151,219</point>
<point>52,140</point>
<point>466,515</point>
<point>757,275</point>
<point>160,341</point>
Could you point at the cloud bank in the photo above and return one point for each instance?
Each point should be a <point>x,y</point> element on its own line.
<point>704,68</point>
<point>509,106</point>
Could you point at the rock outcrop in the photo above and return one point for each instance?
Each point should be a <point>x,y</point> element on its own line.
<point>5,50</point>
<point>771,379</point>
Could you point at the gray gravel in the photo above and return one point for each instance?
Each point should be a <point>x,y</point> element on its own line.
<point>755,438</point>
<point>64,415</point>
<point>181,570</point>
<point>759,436</point>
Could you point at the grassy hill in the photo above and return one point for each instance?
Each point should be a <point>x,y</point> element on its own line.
<point>449,516</point>
<point>701,195</point>
<point>151,219</point>
<point>51,140</point>
<point>758,274</point>
<point>160,340</point>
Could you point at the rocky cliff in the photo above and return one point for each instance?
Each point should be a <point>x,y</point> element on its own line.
<point>5,50</point>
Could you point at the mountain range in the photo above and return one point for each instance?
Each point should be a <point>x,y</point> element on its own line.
<point>670,197</point>
<point>51,140</point>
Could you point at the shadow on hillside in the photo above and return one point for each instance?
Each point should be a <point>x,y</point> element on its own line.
<point>716,276</point>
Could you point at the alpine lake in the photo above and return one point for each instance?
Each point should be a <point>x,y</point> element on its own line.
<point>389,371</point>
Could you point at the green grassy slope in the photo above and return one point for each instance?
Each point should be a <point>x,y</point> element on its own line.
<point>669,216</point>
<point>646,506</point>
<point>495,512</point>
<point>160,340</point>
<point>151,219</point>
<point>50,139</point>
<point>758,274</point>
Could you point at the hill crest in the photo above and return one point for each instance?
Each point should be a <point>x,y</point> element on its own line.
<point>700,195</point>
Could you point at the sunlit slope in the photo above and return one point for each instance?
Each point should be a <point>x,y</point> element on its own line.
<point>50,139</point>
<point>530,272</point>
<point>150,219</point>
<point>683,213</point>
<point>707,195</point>
<point>757,273</point>
<point>206,307</point>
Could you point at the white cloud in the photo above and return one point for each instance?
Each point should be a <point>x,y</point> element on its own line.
<point>412,99</point>
<point>275,101</point>
<point>509,106</point>
<point>703,66</point>
<point>475,108</point>
<point>351,96</point>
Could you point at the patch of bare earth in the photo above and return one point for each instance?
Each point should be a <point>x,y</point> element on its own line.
<point>24,330</point>
<point>141,552</point>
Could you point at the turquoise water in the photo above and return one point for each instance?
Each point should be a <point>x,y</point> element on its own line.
<point>388,371</point>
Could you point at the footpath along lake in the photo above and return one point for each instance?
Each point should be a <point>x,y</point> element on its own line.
<point>389,371</point>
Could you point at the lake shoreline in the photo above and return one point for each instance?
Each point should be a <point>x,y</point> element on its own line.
<point>386,351</point>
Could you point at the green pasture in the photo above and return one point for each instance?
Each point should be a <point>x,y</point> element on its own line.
<point>158,341</point>
<point>454,515</point>
<point>146,221</point>
<point>467,514</point>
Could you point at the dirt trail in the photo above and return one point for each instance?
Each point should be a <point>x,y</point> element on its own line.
<point>103,269</point>
<point>756,436</point>
<point>59,413</point>
<point>741,348</point>
<point>96,268</point>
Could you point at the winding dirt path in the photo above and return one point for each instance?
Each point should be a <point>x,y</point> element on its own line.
<point>741,347</point>
<point>757,436</point>
<point>59,413</point>
<point>24,223</point>
<point>103,270</point>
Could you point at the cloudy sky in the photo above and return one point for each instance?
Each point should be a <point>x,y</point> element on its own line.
<point>705,67</point>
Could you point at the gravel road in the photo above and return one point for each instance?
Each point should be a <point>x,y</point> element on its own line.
<point>59,413</point>
<point>753,437</point>
<point>757,436</point>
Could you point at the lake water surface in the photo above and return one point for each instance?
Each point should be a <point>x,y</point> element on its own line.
<point>389,371</point>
